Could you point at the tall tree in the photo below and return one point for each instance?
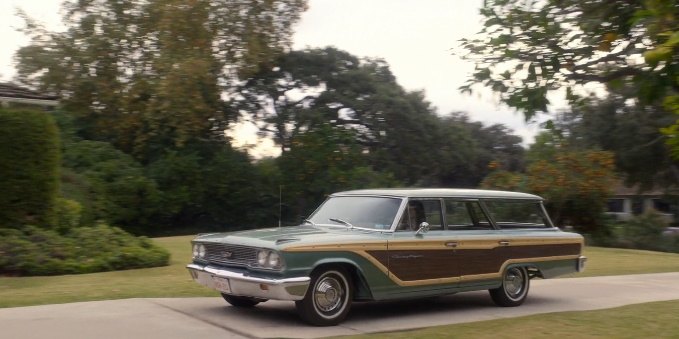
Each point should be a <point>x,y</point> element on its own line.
<point>398,131</point>
<point>322,161</point>
<point>529,49</point>
<point>146,75</point>
<point>628,130</point>
<point>481,149</point>
<point>575,182</point>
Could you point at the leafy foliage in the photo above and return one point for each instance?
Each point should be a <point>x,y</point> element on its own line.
<point>576,185</point>
<point>34,251</point>
<point>113,187</point>
<point>210,186</point>
<point>628,130</point>
<point>146,75</point>
<point>322,162</point>
<point>398,131</point>
<point>528,49</point>
<point>646,231</point>
<point>29,168</point>
<point>575,182</point>
<point>505,180</point>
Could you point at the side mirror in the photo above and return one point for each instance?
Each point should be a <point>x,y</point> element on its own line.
<point>424,228</point>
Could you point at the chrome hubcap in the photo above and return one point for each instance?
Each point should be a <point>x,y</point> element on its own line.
<point>328,294</point>
<point>514,282</point>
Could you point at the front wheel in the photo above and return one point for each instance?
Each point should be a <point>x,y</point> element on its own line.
<point>328,300</point>
<point>239,301</point>
<point>514,288</point>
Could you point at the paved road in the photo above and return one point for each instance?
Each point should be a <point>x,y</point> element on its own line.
<point>208,318</point>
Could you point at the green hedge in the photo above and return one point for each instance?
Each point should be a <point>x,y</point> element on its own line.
<point>29,168</point>
<point>643,232</point>
<point>36,251</point>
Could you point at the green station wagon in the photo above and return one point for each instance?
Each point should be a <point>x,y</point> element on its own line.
<point>382,244</point>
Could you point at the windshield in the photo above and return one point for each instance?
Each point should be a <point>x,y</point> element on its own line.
<point>366,212</point>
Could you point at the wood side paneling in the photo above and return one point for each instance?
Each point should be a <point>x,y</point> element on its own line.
<point>412,264</point>
<point>473,262</point>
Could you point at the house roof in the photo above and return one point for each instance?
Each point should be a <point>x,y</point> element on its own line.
<point>620,190</point>
<point>12,92</point>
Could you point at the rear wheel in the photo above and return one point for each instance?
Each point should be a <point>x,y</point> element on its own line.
<point>328,300</point>
<point>239,301</point>
<point>514,288</point>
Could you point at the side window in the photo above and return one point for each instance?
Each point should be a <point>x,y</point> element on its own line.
<point>480,219</point>
<point>432,212</point>
<point>465,215</point>
<point>420,211</point>
<point>457,215</point>
<point>517,214</point>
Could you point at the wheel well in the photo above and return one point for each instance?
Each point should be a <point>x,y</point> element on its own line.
<point>533,271</point>
<point>361,289</point>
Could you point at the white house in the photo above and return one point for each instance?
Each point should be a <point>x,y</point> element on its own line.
<point>627,202</point>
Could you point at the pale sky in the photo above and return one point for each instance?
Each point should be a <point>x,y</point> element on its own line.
<point>415,37</point>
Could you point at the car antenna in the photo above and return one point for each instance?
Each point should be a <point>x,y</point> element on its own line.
<point>280,204</point>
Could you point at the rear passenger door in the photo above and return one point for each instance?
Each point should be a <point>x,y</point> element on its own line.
<point>476,239</point>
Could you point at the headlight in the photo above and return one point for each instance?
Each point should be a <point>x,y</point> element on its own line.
<point>269,259</point>
<point>262,257</point>
<point>274,260</point>
<point>198,251</point>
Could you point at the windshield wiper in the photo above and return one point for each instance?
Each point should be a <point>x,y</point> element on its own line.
<point>309,221</point>
<point>340,221</point>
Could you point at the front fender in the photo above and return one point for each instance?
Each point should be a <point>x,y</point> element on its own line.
<point>371,281</point>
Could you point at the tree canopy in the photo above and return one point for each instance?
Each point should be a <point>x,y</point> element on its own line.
<point>528,49</point>
<point>631,132</point>
<point>153,85</point>
<point>147,74</point>
<point>628,50</point>
<point>396,130</point>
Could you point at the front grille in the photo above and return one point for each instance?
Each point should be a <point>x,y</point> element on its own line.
<point>227,254</point>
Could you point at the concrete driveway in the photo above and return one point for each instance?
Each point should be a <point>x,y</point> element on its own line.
<point>207,318</point>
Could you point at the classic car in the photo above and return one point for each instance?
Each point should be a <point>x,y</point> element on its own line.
<point>381,244</point>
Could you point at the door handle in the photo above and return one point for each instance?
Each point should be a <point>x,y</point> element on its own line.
<point>503,242</point>
<point>451,244</point>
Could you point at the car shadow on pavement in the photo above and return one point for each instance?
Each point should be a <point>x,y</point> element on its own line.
<point>273,313</point>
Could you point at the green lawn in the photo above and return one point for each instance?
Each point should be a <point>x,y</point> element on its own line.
<point>615,261</point>
<point>174,280</point>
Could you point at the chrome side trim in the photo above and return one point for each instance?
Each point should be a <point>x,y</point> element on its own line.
<point>244,285</point>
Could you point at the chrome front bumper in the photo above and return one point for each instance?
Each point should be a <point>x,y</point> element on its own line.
<point>237,283</point>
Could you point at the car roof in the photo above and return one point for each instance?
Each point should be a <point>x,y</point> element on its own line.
<point>440,193</point>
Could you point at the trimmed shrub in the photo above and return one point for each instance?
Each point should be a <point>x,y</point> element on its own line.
<point>34,251</point>
<point>29,168</point>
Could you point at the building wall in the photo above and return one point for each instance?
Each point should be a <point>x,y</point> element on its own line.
<point>632,206</point>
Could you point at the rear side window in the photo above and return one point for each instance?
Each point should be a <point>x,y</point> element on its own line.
<point>465,215</point>
<point>517,214</point>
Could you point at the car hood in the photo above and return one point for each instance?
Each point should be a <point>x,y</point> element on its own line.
<point>291,235</point>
